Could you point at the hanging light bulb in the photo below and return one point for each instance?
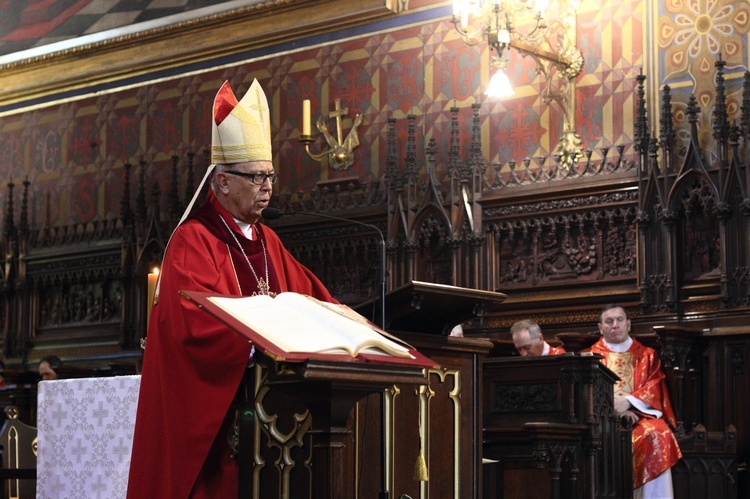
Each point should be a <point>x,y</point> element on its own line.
<point>541,7</point>
<point>499,85</point>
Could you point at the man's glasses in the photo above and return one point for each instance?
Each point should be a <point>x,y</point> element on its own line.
<point>258,178</point>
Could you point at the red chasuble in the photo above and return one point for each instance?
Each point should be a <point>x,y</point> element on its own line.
<point>556,350</point>
<point>655,448</point>
<point>193,365</point>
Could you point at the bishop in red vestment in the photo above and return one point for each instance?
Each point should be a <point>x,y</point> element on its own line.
<point>640,396</point>
<point>193,365</point>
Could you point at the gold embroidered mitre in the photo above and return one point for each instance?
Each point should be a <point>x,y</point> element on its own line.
<point>241,131</point>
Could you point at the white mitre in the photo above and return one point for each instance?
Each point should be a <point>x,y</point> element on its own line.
<point>241,131</point>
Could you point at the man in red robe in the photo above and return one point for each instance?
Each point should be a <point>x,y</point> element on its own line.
<point>528,340</point>
<point>641,397</point>
<point>193,365</point>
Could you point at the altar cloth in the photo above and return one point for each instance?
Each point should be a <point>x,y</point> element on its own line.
<point>85,435</point>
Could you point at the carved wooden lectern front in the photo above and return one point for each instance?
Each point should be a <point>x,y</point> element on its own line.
<point>314,457</point>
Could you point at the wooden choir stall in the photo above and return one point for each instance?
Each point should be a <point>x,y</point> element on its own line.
<point>550,430</point>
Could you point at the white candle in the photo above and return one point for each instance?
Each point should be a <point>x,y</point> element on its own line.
<point>306,117</point>
<point>541,7</point>
<point>153,276</point>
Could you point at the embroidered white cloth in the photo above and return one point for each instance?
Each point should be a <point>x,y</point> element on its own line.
<point>85,435</point>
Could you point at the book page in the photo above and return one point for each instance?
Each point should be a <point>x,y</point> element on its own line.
<point>349,327</point>
<point>297,323</point>
<point>354,327</point>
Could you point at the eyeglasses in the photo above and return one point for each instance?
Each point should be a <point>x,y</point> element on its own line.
<point>257,178</point>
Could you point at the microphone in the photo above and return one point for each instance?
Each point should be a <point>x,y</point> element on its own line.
<point>274,213</point>
<point>271,213</point>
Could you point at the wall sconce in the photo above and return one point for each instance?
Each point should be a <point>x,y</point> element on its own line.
<point>521,25</point>
<point>340,152</point>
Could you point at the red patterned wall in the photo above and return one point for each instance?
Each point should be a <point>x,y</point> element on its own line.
<point>73,153</point>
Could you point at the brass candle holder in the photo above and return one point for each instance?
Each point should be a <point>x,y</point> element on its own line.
<point>340,152</point>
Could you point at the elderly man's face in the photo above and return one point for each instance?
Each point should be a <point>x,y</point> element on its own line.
<point>527,345</point>
<point>615,326</point>
<point>244,199</point>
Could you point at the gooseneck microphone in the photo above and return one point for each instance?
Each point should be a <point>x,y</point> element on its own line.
<point>274,213</point>
<point>271,213</point>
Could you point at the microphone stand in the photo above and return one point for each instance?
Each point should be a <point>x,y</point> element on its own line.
<point>384,494</point>
<point>273,213</point>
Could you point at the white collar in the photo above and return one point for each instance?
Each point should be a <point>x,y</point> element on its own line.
<point>545,351</point>
<point>246,228</point>
<point>619,347</point>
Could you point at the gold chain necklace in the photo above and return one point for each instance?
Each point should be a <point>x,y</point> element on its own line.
<point>263,286</point>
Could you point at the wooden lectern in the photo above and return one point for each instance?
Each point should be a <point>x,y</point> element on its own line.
<point>431,308</point>
<point>449,407</point>
<point>328,390</point>
<point>313,362</point>
<point>331,428</point>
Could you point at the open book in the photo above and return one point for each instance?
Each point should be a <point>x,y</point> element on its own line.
<point>292,323</point>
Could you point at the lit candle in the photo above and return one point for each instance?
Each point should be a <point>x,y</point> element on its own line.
<point>306,117</point>
<point>153,277</point>
<point>541,7</point>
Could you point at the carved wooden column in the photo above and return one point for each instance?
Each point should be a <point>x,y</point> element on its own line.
<point>680,354</point>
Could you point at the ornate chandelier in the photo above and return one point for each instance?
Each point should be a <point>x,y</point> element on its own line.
<point>523,25</point>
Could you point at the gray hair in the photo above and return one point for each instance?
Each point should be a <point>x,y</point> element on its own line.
<point>218,168</point>
<point>526,324</point>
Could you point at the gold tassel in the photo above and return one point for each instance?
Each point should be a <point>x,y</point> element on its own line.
<point>420,467</point>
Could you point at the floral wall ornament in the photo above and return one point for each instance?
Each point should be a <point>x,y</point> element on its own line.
<point>692,35</point>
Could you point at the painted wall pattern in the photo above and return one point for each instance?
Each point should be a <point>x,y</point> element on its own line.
<point>690,36</point>
<point>73,152</point>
